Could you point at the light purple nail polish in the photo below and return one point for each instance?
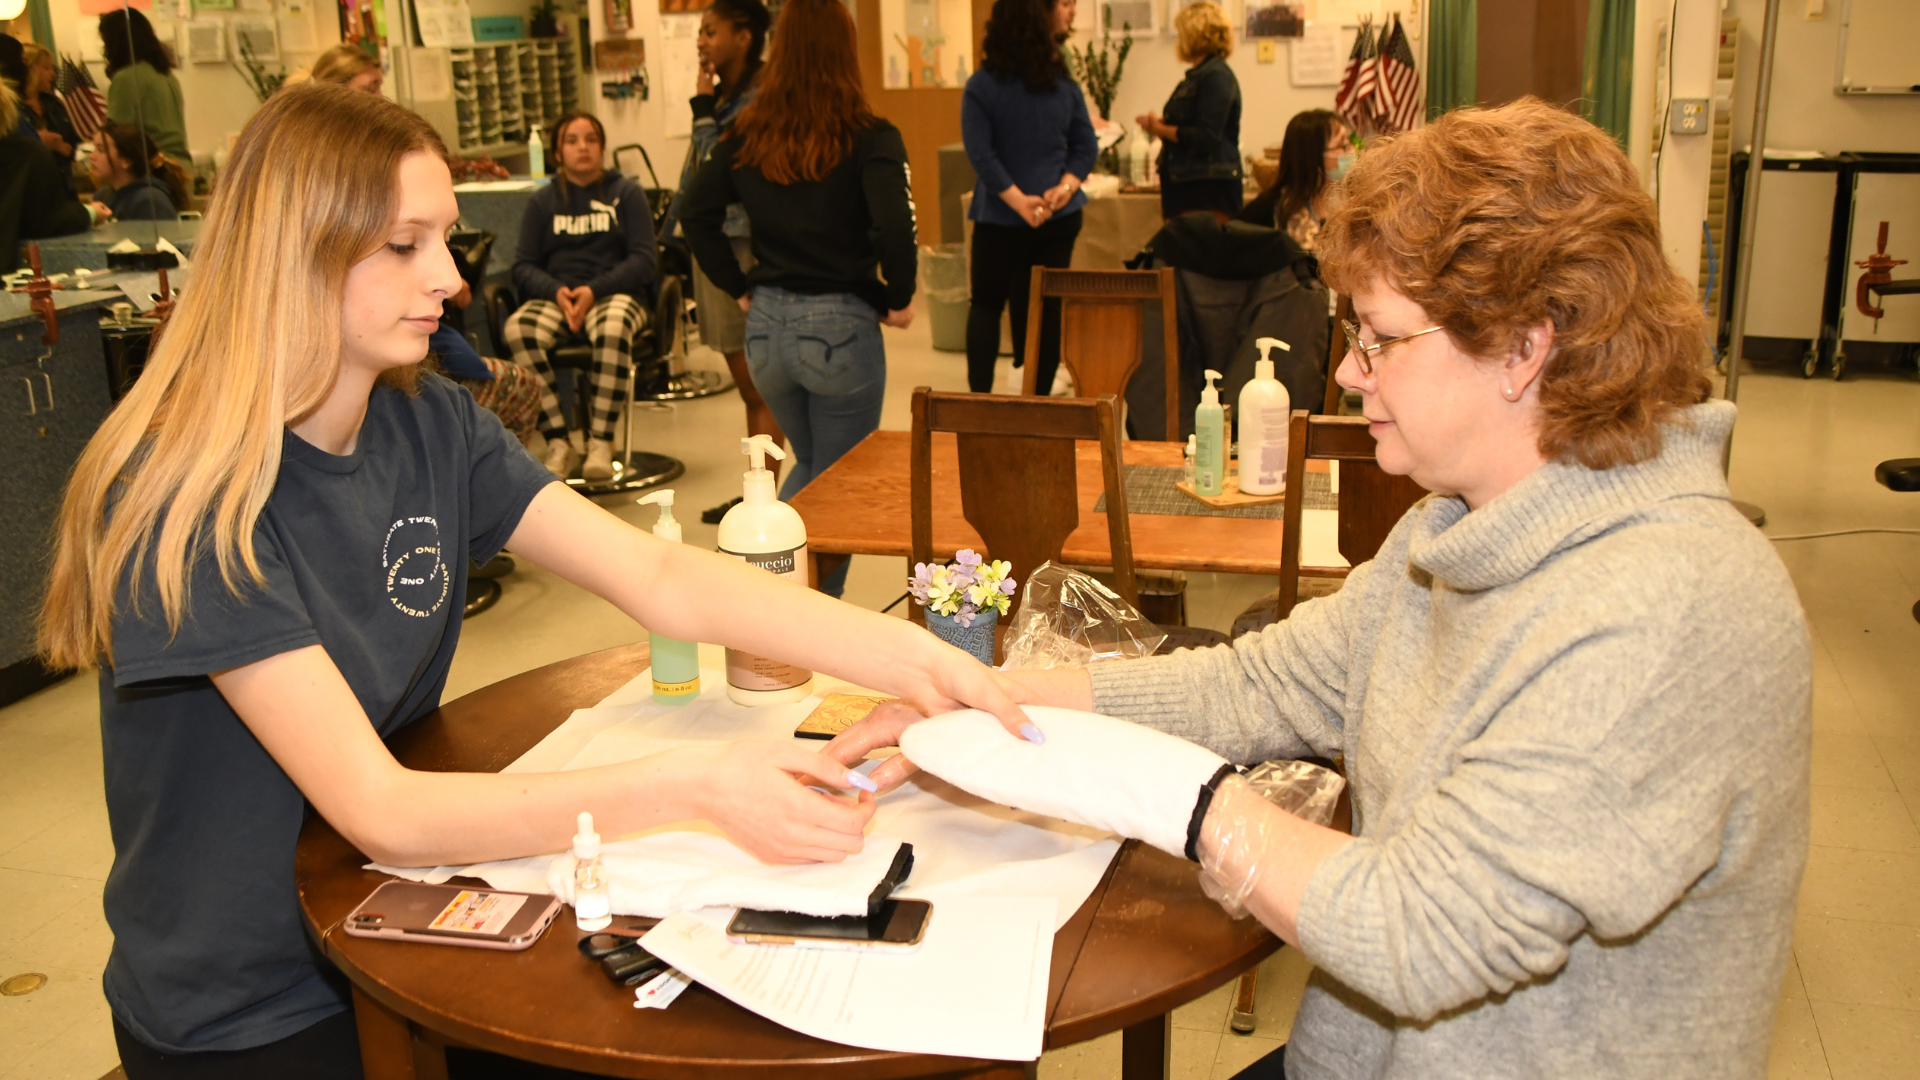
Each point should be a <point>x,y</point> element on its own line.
<point>1032,734</point>
<point>856,780</point>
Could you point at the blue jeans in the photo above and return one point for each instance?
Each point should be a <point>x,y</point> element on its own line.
<point>821,366</point>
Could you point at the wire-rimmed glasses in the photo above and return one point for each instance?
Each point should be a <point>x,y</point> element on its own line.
<point>1365,353</point>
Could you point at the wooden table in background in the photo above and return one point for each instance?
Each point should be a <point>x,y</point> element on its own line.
<point>859,506</point>
<point>1146,942</point>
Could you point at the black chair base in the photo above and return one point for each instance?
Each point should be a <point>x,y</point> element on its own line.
<point>689,385</point>
<point>1899,474</point>
<point>1189,637</point>
<point>482,593</point>
<point>644,469</point>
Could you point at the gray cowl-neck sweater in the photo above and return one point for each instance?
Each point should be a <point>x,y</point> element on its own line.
<point>1577,723</point>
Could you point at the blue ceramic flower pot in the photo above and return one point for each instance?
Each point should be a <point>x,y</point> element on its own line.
<point>976,639</point>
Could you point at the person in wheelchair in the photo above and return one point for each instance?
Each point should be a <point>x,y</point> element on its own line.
<point>587,267</point>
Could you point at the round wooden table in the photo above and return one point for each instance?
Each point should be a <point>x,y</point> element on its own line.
<point>1144,943</point>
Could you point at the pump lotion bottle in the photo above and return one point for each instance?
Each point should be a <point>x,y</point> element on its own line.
<point>762,531</point>
<point>676,663</point>
<point>1264,413</point>
<point>1210,433</point>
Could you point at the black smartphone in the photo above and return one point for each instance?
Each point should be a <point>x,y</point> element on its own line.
<point>897,924</point>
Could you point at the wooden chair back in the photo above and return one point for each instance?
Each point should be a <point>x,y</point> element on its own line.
<point>1103,331</point>
<point>1371,501</point>
<point>1337,351</point>
<point>1017,478</point>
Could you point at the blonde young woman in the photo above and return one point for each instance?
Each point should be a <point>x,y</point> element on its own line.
<point>263,549</point>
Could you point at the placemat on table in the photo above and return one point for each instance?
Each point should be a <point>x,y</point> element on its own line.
<point>1150,490</point>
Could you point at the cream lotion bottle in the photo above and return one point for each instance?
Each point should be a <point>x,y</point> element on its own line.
<point>536,154</point>
<point>1209,429</point>
<point>676,663</point>
<point>1263,416</point>
<point>762,531</point>
<point>592,902</point>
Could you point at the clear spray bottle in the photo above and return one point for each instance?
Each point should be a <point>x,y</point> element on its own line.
<point>592,903</point>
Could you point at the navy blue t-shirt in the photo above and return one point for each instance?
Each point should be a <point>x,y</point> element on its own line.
<point>365,555</point>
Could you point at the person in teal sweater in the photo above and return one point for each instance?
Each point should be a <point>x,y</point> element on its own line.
<point>142,89</point>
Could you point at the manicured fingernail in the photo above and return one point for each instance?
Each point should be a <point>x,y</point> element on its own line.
<point>1032,734</point>
<point>854,779</point>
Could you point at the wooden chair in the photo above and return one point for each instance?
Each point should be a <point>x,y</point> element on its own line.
<point>1017,479</point>
<point>1103,331</point>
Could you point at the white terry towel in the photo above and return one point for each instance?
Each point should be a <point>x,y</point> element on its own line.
<point>1094,770</point>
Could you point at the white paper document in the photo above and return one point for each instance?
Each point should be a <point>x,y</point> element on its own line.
<point>982,960</point>
<point>963,845</point>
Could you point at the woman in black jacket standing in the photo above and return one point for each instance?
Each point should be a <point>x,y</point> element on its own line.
<point>1200,132</point>
<point>824,182</point>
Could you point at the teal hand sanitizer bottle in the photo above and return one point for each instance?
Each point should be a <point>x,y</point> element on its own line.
<point>1210,433</point>
<point>676,663</point>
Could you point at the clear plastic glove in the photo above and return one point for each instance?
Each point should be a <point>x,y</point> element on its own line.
<point>1236,839</point>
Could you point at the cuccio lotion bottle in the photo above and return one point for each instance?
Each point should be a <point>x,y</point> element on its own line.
<point>1210,432</point>
<point>1263,416</point>
<point>762,531</point>
<point>676,663</point>
<point>592,902</point>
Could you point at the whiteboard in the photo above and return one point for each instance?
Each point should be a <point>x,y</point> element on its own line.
<point>1877,54</point>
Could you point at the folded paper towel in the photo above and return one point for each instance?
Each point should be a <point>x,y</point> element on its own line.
<point>1094,770</point>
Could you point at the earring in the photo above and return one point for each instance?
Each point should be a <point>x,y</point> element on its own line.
<point>1510,393</point>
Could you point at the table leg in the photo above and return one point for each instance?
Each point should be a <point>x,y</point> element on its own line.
<point>1146,1049</point>
<point>823,565</point>
<point>389,1047</point>
<point>813,569</point>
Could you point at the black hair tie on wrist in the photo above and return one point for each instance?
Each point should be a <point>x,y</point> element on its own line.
<point>1202,804</point>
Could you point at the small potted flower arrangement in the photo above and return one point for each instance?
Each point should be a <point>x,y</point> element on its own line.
<point>964,600</point>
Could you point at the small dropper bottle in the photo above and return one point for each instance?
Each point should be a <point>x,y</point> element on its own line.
<point>592,903</point>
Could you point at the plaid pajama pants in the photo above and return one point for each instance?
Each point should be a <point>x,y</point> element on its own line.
<point>610,327</point>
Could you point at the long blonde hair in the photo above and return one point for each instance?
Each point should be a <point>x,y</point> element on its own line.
<point>189,457</point>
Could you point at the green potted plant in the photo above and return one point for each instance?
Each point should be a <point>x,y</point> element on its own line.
<point>544,22</point>
<point>1099,69</point>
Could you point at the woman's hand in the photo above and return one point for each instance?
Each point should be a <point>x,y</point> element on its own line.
<point>899,320</point>
<point>101,212</point>
<point>757,793</point>
<point>1031,208</point>
<point>1061,193</point>
<point>745,301</point>
<point>56,144</point>
<point>1157,128</point>
<point>882,727</point>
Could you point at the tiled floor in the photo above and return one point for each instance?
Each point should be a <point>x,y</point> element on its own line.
<point>1849,1007</point>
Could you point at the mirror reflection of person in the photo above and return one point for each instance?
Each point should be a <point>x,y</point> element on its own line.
<point>138,181</point>
<point>264,550</point>
<point>1571,691</point>
<point>45,111</point>
<point>348,65</point>
<point>141,87</point>
<point>1027,133</point>
<point>34,201</point>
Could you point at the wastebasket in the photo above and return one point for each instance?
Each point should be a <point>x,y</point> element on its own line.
<point>943,274</point>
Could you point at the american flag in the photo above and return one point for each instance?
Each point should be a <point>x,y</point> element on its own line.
<point>1397,107</point>
<point>85,107</point>
<point>1358,85</point>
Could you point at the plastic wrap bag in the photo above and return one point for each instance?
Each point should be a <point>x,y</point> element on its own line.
<point>1069,619</point>
<point>1240,845</point>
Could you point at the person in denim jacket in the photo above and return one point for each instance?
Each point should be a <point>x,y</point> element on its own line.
<point>1200,130</point>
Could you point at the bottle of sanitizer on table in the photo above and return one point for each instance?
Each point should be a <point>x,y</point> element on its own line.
<point>536,154</point>
<point>1263,416</point>
<point>676,663</point>
<point>765,532</point>
<point>592,903</point>
<point>1210,432</point>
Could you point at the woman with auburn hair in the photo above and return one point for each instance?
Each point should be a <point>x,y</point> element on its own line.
<point>264,548</point>
<point>1200,130</point>
<point>825,185</point>
<point>1571,691</point>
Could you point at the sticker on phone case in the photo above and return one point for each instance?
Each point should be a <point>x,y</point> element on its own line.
<point>478,912</point>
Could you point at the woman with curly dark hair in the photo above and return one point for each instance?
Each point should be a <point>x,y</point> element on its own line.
<point>1031,143</point>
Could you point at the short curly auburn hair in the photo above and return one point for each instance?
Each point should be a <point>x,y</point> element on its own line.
<point>1494,220</point>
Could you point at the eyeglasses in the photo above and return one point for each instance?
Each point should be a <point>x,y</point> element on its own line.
<point>1365,353</point>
